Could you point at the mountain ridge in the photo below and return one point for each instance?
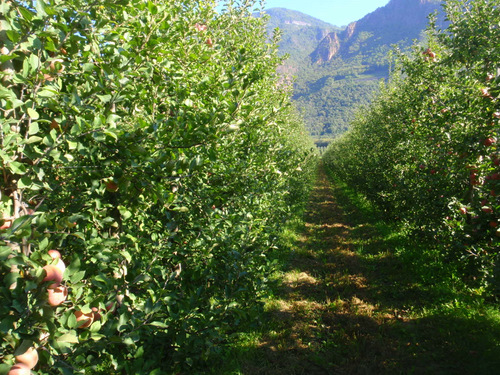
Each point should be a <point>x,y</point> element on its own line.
<point>300,32</point>
<point>390,24</point>
<point>279,12</point>
<point>338,69</point>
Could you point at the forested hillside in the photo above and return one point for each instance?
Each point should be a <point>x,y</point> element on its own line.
<point>426,152</point>
<point>150,159</point>
<point>300,33</point>
<point>343,68</point>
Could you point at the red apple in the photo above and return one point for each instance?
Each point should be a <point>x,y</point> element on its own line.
<point>87,319</point>
<point>96,313</point>
<point>29,357</point>
<point>54,254</point>
<point>111,186</point>
<point>200,27</point>
<point>473,179</point>
<point>56,66</point>
<point>494,176</point>
<point>54,125</point>
<point>489,141</point>
<point>111,307</point>
<point>19,369</point>
<point>57,295</point>
<point>485,93</point>
<point>53,273</point>
<point>7,221</point>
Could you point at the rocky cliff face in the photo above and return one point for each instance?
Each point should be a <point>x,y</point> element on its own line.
<point>301,33</point>
<point>327,48</point>
<point>400,20</point>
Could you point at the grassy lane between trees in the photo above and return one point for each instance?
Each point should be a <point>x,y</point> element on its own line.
<point>357,296</point>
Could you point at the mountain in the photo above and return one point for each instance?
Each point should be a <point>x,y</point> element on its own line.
<point>398,22</point>
<point>301,34</point>
<point>339,69</point>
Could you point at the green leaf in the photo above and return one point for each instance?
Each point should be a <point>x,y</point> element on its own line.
<point>4,58</point>
<point>112,119</point>
<point>34,139</point>
<point>5,93</point>
<point>43,244</point>
<point>95,327</point>
<point>124,212</point>
<point>72,145</point>
<point>159,324</point>
<point>77,276</point>
<point>104,98</point>
<point>21,349</point>
<point>97,336</point>
<point>24,182</point>
<point>88,67</point>
<point>111,134</point>
<point>72,322</point>
<point>33,115</point>
<point>26,14</point>
<point>126,255</point>
<point>12,277</point>
<point>69,337</point>
<point>16,167</point>
<point>13,35</point>
<point>34,128</point>
<point>123,322</point>
<point>4,7</point>
<point>181,209</point>
<point>34,62</point>
<point>40,8</point>
<point>47,93</point>
<point>49,45</point>
<point>7,323</point>
<point>79,235</point>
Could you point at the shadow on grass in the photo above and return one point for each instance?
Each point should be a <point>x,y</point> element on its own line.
<point>350,303</point>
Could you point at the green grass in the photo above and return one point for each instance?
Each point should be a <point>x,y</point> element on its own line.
<point>359,296</point>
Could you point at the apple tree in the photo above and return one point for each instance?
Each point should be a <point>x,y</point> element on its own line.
<point>153,146</point>
<point>427,150</point>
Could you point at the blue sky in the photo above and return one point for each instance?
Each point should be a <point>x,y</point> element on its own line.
<point>336,12</point>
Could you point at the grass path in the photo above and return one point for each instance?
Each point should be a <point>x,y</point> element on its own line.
<point>350,303</point>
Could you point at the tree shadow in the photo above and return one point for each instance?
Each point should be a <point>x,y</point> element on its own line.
<point>350,305</point>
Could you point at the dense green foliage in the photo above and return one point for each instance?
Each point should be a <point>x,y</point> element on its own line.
<point>427,150</point>
<point>153,144</point>
<point>329,94</point>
